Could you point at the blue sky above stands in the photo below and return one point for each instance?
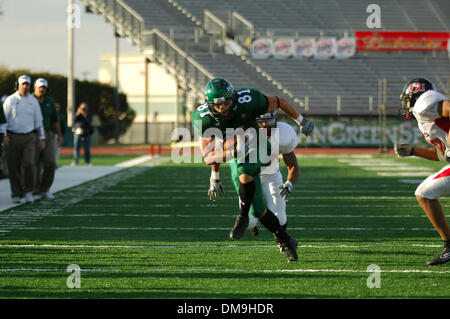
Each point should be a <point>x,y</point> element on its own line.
<point>33,35</point>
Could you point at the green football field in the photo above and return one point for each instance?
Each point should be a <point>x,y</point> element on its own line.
<point>151,232</point>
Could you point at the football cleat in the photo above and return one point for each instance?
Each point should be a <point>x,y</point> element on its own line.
<point>240,227</point>
<point>278,241</point>
<point>443,257</point>
<point>29,197</point>
<point>254,230</point>
<point>290,248</point>
<point>49,196</point>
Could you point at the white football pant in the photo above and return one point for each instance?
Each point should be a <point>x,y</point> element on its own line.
<point>436,185</point>
<point>271,192</point>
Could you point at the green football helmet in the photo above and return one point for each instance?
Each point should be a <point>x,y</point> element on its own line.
<point>218,91</point>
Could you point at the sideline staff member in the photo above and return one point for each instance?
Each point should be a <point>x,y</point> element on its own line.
<point>24,118</point>
<point>45,159</point>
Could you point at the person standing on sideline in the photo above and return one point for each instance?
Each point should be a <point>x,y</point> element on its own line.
<point>3,125</point>
<point>63,125</point>
<point>83,130</point>
<point>45,159</point>
<point>24,119</point>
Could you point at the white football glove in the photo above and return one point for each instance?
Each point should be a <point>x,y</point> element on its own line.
<point>214,186</point>
<point>307,127</point>
<point>286,190</point>
<point>403,150</point>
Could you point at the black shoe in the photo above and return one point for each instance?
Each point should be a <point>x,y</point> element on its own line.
<point>443,257</point>
<point>290,248</point>
<point>240,227</point>
<point>254,230</point>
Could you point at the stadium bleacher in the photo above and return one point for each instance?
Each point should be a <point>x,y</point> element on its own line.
<point>354,80</point>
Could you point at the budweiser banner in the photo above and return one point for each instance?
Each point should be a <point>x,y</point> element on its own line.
<point>305,47</point>
<point>345,48</point>
<point>325,48</point>
<point>262,48</point>
<point>283,48</point>
<point>401,41</point>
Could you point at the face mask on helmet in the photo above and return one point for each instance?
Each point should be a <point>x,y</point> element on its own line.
<point>220,99</point>
<point>267,120</point>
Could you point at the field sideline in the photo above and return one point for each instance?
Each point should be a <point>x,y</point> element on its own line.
<point>151,232</point>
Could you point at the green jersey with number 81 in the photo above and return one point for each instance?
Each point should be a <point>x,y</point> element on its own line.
<point>248,105</point>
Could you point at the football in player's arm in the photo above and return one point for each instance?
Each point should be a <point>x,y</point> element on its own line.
<point>431,109</point>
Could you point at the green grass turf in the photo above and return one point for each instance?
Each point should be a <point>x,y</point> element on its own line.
<point>151,232</point>
<point>66,160</point>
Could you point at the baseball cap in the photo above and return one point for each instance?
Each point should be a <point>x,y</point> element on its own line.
<point>24,78</point>
<point>41,82</point>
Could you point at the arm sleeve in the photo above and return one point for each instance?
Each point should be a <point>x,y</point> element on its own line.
<point>38,124</point>
<point>200,124</point>
<point>2,115</point>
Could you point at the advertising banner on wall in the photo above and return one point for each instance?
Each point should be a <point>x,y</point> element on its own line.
<point>345,48</point>
<point>283,48</point>
<point>305,47</point>
<point>361,133</point>
<point>262,48</point>
<point>325,48</point>
<point>401,41</point>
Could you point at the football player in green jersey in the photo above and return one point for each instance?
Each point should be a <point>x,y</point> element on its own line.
<point>225,109</point>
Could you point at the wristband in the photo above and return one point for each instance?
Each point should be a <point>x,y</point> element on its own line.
<point>299,119</point>
<point>215,175</point>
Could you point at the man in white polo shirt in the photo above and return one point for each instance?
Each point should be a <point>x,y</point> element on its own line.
<point>24,125</point>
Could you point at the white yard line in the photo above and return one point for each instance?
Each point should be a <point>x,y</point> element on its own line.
<point>209,270</point>
<point>216,228</point>
<point>404,174</point>
<point>177,215</point>
<point>342,246</point>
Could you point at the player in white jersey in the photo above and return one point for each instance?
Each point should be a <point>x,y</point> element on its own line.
<point>432,112</point>
<point>274,190</point>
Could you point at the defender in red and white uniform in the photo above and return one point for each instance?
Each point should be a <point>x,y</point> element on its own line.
<point>432,112</point>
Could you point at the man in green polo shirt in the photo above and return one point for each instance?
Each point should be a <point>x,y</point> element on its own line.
<point>45,159</point>
<point>3,125</point>
<point>3,122</point>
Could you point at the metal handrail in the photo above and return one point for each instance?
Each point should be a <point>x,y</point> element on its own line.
<point>175,47</point>
<point>176,60</point>
<point>208,14</point>
<point>169,54</point>
<point>244,21</point>
<point>131,11</point>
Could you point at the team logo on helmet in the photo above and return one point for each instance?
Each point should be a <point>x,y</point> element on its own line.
<point>416,87</point>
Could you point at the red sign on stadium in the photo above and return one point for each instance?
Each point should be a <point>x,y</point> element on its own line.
<point>401,41</point>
